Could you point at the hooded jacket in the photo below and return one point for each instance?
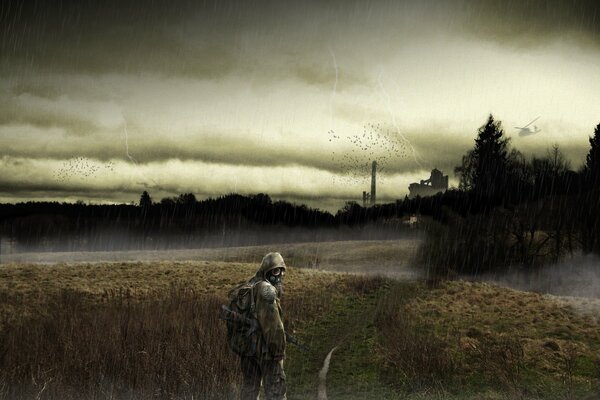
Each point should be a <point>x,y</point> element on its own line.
<point>268,310</point>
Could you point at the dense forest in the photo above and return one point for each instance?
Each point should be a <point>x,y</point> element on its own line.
<point>511,213</point>
<point>184,222</point>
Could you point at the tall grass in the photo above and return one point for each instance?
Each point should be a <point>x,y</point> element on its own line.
<point>171,346</point>
<point>502,360</point>
<point>165,344</point>
<point>416,358</point>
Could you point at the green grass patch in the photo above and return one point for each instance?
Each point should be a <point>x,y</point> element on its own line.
<point>356,370</point>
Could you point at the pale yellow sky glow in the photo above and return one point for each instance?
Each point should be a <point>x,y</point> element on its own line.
<point>250,109</point>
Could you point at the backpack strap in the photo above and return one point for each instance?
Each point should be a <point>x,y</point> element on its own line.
<point>254,343</point>
<point>252,302</point>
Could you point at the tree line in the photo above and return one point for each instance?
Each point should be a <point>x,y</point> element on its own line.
<point>182,221</point>
<point>510,212</point>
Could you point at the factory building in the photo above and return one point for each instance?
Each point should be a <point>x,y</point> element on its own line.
<point>369,198</point>
<point>437,182</point>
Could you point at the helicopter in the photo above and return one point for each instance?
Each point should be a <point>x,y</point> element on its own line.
<point>526,130</point>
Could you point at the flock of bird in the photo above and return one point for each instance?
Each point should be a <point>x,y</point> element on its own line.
<point>375,143</point>
<point>81,167</point>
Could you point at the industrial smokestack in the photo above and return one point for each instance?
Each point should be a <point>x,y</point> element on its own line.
<point>373,182</point>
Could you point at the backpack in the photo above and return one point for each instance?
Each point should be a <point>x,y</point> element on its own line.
<point>242,301</point>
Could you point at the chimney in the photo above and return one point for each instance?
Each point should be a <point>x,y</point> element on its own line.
<point>373,182</point>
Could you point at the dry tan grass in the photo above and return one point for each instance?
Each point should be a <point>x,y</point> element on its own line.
<point>391,257</point>
<point>25,289</point>
<point>458,329</point>
<point>477,316</point>
<point>24,285</point>
<point>136,331</point>
<point>588,307</point>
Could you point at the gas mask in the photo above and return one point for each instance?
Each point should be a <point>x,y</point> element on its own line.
<point>275,278</point>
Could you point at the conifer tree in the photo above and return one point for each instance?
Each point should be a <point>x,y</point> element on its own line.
<point>591,170</point>
<point>590,210</point>
<point>483,170</point>
<point>145,200</point>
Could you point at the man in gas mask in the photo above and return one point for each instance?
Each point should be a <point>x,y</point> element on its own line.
<point>267,363</point>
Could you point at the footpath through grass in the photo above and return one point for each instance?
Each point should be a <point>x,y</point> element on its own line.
<point>356,365</point>
<point>460,341</point>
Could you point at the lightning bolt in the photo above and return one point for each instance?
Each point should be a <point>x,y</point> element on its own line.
<point>127,142</point>
<point>387,99</point>
<point>132,159</point>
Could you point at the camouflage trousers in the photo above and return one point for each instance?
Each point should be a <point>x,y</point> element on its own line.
<point>270,372</point>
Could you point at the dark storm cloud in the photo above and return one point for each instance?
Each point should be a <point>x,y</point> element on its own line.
<point>433,149</point>
<point>113,36</point>
<point>127,193</point>
<point>13,113</point>
<point>22,189</point>
<point>8,185</point>
<point>100,196</point>
<point>324,76</point>
<point>213,39</point>
<point>207,40</point>
<point>533,22</point>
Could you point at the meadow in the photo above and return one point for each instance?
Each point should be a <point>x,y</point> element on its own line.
<point>384,257</point>
<point>140,330</point>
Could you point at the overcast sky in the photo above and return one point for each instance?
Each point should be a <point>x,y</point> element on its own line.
<point>100,100</point>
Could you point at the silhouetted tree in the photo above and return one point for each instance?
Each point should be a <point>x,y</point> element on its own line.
<point>186,199</point>
<point>551,175</point>
<point>145,201</point>
<point>167,202</point>
<point>483,170</point>
<point>559,164</point>
<point>591,169</point>
<point>352,213</point>
<point>559,215</point>
<point>590,218</point>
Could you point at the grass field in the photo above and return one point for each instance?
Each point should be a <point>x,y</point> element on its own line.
<point>142,330</point>
<point>388,257</point>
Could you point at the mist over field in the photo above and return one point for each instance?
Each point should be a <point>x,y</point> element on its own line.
<point>125,241</point>
<point>578,276</point>
<point>392,258</point>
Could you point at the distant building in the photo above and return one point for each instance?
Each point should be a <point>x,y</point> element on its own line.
<point>373,183</point>
<point>411,220</point>
<point>369,198</point>
<point>366,199</point>
<point>437,182</point>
